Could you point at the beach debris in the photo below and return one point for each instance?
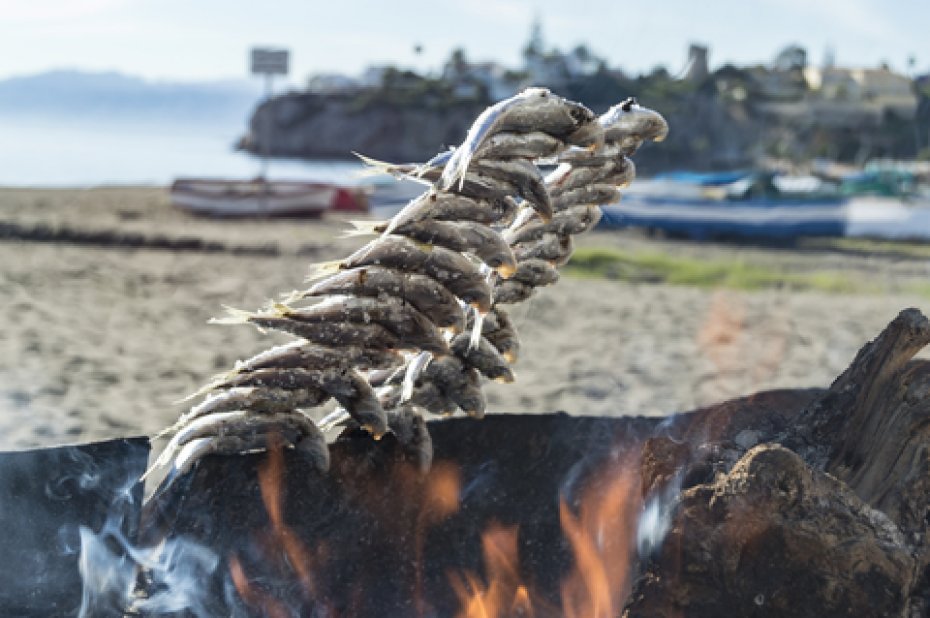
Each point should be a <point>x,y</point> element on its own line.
<point>411,323</point>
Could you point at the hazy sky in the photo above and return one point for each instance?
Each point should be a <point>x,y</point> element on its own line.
<point>209,39</point>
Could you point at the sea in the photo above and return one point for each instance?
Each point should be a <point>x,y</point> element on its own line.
<point>60,152</point>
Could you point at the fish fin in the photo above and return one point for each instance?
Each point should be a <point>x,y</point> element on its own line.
<point>374,167</point>
<point>167,431</point>
<point>293,296</point>
<point>365,228</point>
<point>455,170</point>
<point>214,383</point>
<point>233,316</point>
<point>280,310</point>
<point>397,170</point>
<point>322,269</point>
<point>425,247</point>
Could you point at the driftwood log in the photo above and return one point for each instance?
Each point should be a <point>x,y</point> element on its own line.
<point>786,503</point>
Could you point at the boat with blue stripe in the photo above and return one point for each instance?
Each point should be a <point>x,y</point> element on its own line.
<point>764,206</point>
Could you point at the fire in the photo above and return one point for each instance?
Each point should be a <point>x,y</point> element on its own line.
<point>285,558</point>
<point>599,526</point>
<point>278,542</point>
<point>505,594</point>
<point>440,500</point>
<point>601,536</point>
<point>602,539</point>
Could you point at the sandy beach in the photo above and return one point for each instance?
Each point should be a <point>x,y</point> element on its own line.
<point>107,292</point>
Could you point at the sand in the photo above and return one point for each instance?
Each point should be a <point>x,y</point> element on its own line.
<point>100,340</point>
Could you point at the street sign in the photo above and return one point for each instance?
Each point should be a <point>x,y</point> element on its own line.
<point>267,61</point>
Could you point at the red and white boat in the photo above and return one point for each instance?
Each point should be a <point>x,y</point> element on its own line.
<point>261,198</point>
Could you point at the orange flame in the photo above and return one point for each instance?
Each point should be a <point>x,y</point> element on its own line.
<point>441,492</point>
<point>252,596</point>
<point>505,594</point>
<point>601,537</point>
<point>270,482</point>
<point>280,539</point>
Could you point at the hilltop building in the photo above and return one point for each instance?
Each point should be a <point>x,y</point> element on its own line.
<point>697,63</point>
<point>873,92</point>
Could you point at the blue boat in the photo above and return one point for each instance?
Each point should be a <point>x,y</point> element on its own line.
<point>764,206</point>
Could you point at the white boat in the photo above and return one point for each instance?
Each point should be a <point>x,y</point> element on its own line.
<point>260,198</point>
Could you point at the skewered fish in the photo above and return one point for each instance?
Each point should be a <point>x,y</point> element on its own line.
<point>490,229</point>
<point>424,293</point>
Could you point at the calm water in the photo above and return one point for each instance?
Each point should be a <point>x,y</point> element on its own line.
<point>58,153</point>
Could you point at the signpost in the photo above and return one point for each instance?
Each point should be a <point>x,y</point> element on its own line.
<point>268,62</point>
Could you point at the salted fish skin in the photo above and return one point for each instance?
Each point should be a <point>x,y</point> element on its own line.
<point>509,292</point>
<point>412,328</point>
<point>573,220</point>
<point>595,194</point>
<point>534,109</point>
<point>451,269</point>
<point>423,292</point>
<point>552,247</point>
<point>464,237</point>
<point>485,358</point>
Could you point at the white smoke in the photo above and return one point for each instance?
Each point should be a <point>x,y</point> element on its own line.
<point>656,518</point>
<point>175,572</point>
<point>110,565</point>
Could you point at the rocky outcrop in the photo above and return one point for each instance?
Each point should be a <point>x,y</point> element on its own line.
<point>316,126</point>
<point>706,134</point>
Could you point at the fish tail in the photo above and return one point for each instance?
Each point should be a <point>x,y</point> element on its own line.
<point>233,316</point>
<point>293,296</point>
<point>374,167</point>
<point>167,431</point>
<point>364,228</point>
<point>322,269</point>
<point>455,170</point>
<point>215,382</point>
<point>280,310</point>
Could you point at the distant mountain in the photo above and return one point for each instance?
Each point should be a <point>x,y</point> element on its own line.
<point>76,95</point>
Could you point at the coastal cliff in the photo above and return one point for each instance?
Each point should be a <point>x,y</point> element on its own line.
<point>333,126</point>
<point>725,121</point>
<point>304,125</point>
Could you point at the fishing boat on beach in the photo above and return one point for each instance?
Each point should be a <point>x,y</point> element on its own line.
<point>764,205</point>
<point>261,198</point>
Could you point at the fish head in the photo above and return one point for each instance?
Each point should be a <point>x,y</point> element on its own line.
<point>505,376</point>
<point>653,126</point>
<point>589,135</point>
<point>505,267</point>
<point>624,173</point>
<point>631,119</point>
